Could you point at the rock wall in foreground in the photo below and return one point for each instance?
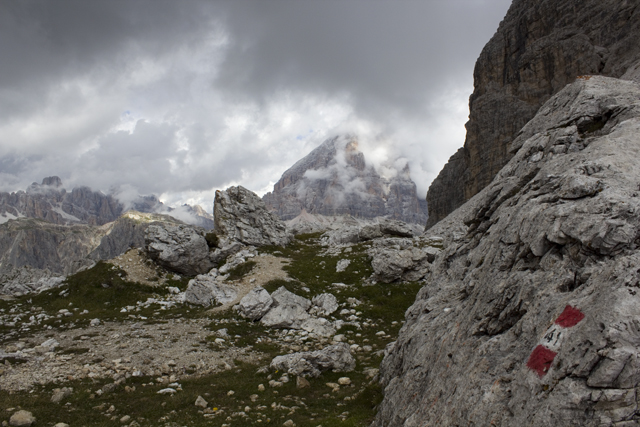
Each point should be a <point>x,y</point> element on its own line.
<point>532,317</point>
<point>539,47</point>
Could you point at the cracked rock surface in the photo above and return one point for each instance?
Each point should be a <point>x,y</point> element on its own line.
<point>531,317</point>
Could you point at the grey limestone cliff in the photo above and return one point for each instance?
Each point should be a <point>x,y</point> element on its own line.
<point>334,179</point>
<point>530,317</point>
<point>539,47</point>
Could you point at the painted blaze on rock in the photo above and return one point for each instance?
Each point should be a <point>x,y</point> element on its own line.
<point>570,317</point>
<point>542,357</point>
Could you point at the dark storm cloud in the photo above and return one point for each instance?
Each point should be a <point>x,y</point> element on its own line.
<point>386,53</point>
<point>182,97</point>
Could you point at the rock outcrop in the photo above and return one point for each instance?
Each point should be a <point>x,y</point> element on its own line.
<point>334,179</point>
<point>531,318</point>
<point>241,216</point>
<point>539,47</point>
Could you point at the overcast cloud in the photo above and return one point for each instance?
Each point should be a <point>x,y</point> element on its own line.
<point>180,98</point>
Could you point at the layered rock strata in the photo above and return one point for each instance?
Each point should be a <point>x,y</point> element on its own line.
<point>531,317</point>
<point>334,179</point>
<point>539,47</point>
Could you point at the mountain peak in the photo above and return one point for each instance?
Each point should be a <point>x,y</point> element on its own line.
<point>335,179</point>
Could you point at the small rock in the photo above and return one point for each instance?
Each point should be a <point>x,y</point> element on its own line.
<point>344,381</point>
<point>201,402</point>
<point>95,322</point>
<point>61,425</point>
<point>260,387</point>
<point>167,391</point>
<point>22,418</point>
<point>302,382</point>
<point>61,393</point>
<point>289,423</point>
<point>342,265</point>
<point>125,419</point>
<point>231,393</point>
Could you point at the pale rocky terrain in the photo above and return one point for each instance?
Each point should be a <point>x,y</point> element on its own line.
<point>260,331</point>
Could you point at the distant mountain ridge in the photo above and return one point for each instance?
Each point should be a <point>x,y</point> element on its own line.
<point>51,202</point>
<point>334,179</point>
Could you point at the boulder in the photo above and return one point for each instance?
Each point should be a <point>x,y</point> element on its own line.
<point>255,304</point>
<point>395,228</point>
<point>178,247</point>
<point>288,310</point>
<point>391,264</point>
<point>318,326</point>
<point>336,357</point>
<point>241,216</point>
<point>205,290</point>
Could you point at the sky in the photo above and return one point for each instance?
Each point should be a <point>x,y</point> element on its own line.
<point>181,98</point>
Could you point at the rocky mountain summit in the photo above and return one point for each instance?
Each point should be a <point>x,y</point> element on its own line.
<point>335,179</point>
<point>539,48</point>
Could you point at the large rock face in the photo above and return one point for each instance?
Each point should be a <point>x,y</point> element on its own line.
<point>334,179</point>
<point>539,47</point>
<point>531,318</point>
<point>241,216</point>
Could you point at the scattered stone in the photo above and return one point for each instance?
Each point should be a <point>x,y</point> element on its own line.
<point>289,423</point>
<point>95,322</point>
<point>201,402</point>
<point>342,265</point>
<point>22,418</point>
<point>167,390</point>
<point>302,382</point>
<point>61,393</point>
<point>344,381</point>
<point>260,387</point>
<point>125,419</point>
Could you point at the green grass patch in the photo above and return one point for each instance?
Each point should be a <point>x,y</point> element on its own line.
<point>241,270</point>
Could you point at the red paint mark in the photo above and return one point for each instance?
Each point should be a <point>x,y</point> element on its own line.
<point>540,360</point>
<point>570,317</point>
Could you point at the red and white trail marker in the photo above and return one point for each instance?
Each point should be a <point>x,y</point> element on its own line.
<point>547,349</point>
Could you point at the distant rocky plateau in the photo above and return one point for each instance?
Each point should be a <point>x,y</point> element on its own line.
<point>335,179</point>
